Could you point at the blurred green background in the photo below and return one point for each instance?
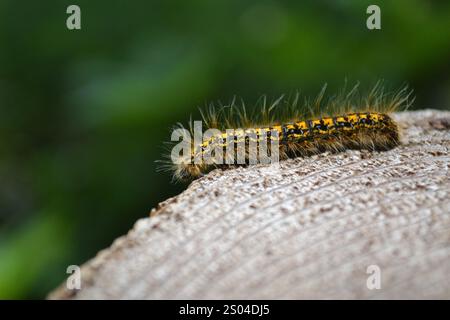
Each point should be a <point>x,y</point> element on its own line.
<point>83,114</point>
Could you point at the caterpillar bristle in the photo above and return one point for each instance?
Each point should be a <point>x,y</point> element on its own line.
<point>346,120</point>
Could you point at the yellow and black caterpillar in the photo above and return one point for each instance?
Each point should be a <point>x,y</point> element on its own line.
<point>343,122</point>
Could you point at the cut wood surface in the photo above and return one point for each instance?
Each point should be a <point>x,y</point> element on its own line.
<point>306,228</point>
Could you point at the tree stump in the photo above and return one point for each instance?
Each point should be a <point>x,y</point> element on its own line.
<point>314,227</point>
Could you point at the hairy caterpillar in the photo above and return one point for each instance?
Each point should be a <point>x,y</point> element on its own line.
<point>343,121</point>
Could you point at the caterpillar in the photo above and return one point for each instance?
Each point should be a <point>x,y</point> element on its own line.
<point>346,120</point>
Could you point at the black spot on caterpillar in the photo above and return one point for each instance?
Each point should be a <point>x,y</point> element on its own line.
<point>346,120</point>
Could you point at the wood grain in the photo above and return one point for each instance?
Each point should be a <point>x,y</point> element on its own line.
<point>308,228</point>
